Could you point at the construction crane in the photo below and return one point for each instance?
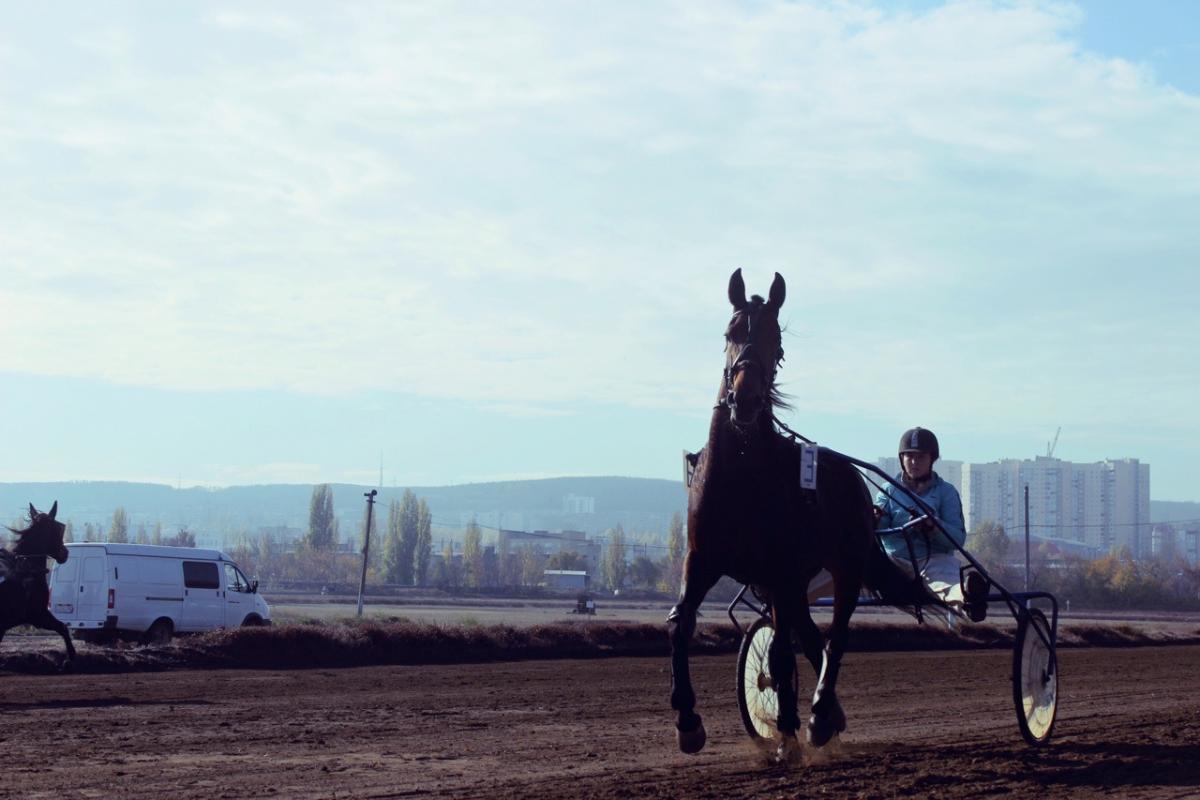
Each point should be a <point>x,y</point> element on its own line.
<point>1050,447</point>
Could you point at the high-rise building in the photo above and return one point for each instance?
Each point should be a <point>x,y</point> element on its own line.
<point>1104,505</point>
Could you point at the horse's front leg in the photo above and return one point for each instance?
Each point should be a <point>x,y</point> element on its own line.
<point>781,659</point>
<point>827,718</point>
<point>698,578</point>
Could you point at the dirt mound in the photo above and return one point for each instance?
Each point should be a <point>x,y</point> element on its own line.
<point>398,641</point>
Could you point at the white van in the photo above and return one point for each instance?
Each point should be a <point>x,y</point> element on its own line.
<point>105,589</point>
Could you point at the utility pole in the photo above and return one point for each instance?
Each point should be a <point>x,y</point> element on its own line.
<point>1027,537</point>
<point>362,581</point>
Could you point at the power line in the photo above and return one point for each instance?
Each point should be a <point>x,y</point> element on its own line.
<point>1071,526</point>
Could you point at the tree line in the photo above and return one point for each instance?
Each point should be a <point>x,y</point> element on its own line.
<point>1114,581</point>
<point>118,532</point>
<point>403,554</point>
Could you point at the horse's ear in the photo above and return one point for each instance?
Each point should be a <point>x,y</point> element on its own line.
<point>737,290</point>
<point>778,292</point>
<point>33,512</point>
<point>53,509</point>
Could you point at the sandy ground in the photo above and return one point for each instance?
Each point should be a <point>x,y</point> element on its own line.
<point>920,724</point>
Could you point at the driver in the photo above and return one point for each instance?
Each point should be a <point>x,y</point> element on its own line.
<point>934,555</point>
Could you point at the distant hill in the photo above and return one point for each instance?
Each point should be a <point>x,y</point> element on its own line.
<point>1173,511</point>
<point>592,505</point>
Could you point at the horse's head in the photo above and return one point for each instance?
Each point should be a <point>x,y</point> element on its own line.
<point>753,350</point>
<point>43,537</point>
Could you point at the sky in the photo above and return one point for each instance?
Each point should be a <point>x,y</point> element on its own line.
<point>458,242</point>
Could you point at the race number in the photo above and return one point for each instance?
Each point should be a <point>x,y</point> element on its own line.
<point>808,466</point>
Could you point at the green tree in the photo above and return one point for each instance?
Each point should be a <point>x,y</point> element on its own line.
<point>69,532</point>
<point>184,538</point>
<point>118,532</point>
<point>141,537</point>
<point>89,532</point>
<point>473,555</point>
<point>156,537</point>
<point>510,563</point>
<point>266,553</point>
<point>451,571</point>
<point>644,573</point>
<point>614,567</point>
<point>567,559</point>
<point>409,519</point>
<point>532,565</point>
<point>676,545</point>
<point>391,545</point>
<point>989,543</point>
<point>322,525</point>
<point>424,546</point>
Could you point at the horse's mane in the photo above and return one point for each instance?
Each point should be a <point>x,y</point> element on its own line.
<point>35,534</point>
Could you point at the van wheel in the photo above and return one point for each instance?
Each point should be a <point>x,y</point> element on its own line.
<point>252,621</point>
<point>160,632</point>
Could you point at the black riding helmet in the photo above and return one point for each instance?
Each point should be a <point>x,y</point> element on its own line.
<point>919,440</point>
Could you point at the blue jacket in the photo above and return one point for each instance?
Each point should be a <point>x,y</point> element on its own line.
<point>947,506</point>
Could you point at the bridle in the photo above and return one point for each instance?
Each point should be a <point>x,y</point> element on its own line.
<point>746,356</point>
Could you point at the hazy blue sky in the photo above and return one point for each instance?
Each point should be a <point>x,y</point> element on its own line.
<point>275,242</point>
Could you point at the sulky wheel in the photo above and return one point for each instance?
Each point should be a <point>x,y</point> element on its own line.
<point>755,688</point>
<point>1035,677</point>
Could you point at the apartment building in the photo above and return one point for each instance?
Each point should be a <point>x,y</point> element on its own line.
<point>1104,505</point>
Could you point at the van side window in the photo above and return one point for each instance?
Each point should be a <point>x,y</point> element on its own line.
<point>93,569</point>
<point>233,579</point>
<point>201,575</point>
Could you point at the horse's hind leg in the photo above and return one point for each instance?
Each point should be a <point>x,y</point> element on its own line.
<point>49,622</point>
<point>827,717</point>
<point>698,578</point>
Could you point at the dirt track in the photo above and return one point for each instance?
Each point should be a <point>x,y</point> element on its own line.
<point>1129,726</point>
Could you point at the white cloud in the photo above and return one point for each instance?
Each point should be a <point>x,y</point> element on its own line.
<point>541,208</point>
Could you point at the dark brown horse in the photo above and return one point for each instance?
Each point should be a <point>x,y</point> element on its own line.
<point>24,592</point>
<point>749,518</point>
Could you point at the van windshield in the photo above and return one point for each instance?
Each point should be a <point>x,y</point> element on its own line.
<point>235,581</point>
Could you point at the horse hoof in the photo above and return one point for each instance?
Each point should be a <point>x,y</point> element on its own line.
<point>820,731</point>
<point>789,751</point>
<point>837,718</point>
<point>691,741</point>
